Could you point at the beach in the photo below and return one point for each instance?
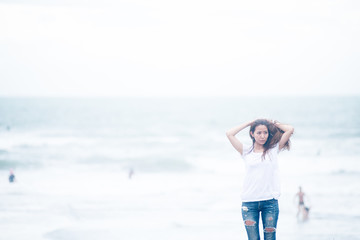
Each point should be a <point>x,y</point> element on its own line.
<point>72,160</point>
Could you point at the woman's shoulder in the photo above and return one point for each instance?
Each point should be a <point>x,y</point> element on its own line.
<point>275,148</point>
<point>247,148</point>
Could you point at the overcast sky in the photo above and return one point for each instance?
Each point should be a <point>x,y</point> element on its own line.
<point>181,48</point>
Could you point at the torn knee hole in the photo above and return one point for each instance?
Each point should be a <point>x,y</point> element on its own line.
<point>269,229</point>
<point>250,223</point>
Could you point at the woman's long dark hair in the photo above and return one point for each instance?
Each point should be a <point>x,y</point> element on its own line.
<point>274,137</point>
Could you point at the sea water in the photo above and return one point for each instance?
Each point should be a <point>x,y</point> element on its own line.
<point>162,168</point>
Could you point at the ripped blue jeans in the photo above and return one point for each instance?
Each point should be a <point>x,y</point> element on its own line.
<point>269,210</point>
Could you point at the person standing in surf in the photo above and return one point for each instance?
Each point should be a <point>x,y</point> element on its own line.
<point>302,208</point>
<point>12,176</point>
<point>261,187</point>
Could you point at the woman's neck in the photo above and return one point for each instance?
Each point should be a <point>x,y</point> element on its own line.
<point>258,148</point>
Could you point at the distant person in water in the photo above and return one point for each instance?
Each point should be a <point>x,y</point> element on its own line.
<point>11,176</point>
<point>302,208</point>
<point>261,187</point>
<point>131,173</point>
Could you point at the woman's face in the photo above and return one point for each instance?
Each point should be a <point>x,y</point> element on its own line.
<point>260,134</point>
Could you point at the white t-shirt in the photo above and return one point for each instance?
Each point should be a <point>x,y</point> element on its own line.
<point>261,180</point>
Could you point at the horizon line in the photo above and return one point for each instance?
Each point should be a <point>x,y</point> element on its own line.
<point>178,96</point>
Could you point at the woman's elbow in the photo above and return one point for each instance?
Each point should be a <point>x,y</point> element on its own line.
<point>291,129</point>
<point>228,134</point>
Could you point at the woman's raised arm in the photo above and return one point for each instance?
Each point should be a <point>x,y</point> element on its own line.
<point>288,131</point>
<point>233,140</point>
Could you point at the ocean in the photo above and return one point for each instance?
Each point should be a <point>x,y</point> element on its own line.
<point>162,168</point>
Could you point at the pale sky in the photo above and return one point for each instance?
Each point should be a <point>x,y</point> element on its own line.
<point>179,48</point>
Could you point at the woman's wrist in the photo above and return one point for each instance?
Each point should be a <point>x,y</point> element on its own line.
<point>273,121</point>
<point>250,122</point>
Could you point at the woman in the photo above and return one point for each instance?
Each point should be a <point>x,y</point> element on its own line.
<point>261,187</point>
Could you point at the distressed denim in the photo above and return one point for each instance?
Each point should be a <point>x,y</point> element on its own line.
<point>269,210</point>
